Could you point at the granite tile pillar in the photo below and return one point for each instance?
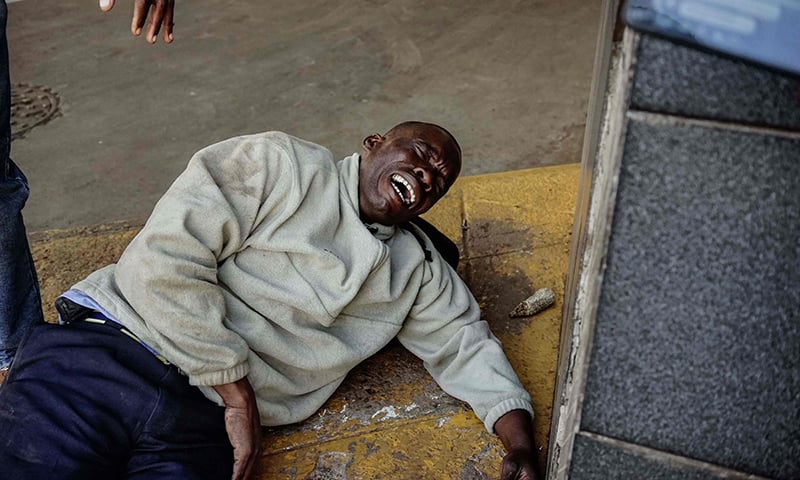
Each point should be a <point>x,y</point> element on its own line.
<point>684,358</point>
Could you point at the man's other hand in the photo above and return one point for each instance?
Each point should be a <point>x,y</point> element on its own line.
<point>161,13</point>
<point>515,430</point>
<point>243,425</point>
<point>519,464</point>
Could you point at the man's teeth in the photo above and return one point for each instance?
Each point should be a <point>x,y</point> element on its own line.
<point>412,196</point>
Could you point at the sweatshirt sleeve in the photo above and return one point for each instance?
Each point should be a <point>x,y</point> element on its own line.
<point>168,273</point>
<point>458,349</point>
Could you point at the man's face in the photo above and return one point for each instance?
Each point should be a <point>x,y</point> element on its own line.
<point>403,174</point>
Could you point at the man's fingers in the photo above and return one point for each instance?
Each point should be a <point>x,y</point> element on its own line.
<point>249,458</point>
<point>244,460</point>
<point>518,466</point>
<point>243,424</point>
<point>158,7</point>
<point>507,473</point>
<point>140,9</point>
<point>248,472</point>
<point>257,443</point>
<point>161,13</point>
<point>244,433</point>
<point>168,21</point>
<point>106,5</point>
<point>242,466</point>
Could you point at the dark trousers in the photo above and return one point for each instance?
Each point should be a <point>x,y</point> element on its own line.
<point>20,306</point>
<point>85,401</point>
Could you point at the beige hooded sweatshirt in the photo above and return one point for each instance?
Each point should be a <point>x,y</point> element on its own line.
<point>255,262</point>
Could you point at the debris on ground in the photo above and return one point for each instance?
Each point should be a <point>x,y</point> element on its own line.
<point>541,299</point>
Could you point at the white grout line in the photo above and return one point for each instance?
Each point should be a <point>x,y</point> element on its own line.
<point>654,118</point>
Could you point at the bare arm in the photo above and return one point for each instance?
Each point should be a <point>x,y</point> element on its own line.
<point>161,13</point>
<point>243,425</point>
<point>515,430</point>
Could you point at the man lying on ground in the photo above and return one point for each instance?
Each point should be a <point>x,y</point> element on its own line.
<point>263,276</point>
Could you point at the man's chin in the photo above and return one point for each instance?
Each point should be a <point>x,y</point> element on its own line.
<point>390,219</point>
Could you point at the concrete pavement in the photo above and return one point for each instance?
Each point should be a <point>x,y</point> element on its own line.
<point>509,78</point>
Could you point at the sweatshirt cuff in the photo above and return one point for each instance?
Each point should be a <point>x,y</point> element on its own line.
<point>504,407</point>
<point>220,377</point>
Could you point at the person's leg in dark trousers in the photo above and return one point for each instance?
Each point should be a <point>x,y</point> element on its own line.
<point>20,304</point>
<point>85,401</point>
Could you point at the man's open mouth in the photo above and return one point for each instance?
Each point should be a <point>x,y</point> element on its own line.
<point>403,189</point>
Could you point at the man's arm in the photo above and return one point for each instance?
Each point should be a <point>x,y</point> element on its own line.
<point>515,430</point>
<point>169,273</point>
<point>161,14</point>
<point>243,425</point>
<point>458,349</point>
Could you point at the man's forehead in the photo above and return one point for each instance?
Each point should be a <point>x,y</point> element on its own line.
<point>430,134</point>
<point>420,132</point>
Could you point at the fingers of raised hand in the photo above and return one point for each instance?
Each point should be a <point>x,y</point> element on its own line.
<point>168,20</point>
<point>161,13</point>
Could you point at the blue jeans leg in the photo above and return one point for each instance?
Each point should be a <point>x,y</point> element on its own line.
<point>84,401</point>
<point>20,304</point>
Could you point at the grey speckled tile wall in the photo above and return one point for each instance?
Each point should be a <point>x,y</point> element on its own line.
<point>679,80</point>
<point>594,460</point>
<point>697,344</point>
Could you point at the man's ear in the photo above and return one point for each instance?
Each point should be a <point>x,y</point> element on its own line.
<point>372,141</point>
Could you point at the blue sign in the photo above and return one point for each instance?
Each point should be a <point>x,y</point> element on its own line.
<point>763,31</point>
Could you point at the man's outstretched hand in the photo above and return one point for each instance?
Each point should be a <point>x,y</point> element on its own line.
<point>519,465</point>
<point>243,425</point>
<point>516,432</point>
<point>161,13</point>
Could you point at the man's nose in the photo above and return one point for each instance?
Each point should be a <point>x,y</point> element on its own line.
<point>425,177</point>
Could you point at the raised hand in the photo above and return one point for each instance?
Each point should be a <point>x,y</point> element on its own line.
<point>161,13</point>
